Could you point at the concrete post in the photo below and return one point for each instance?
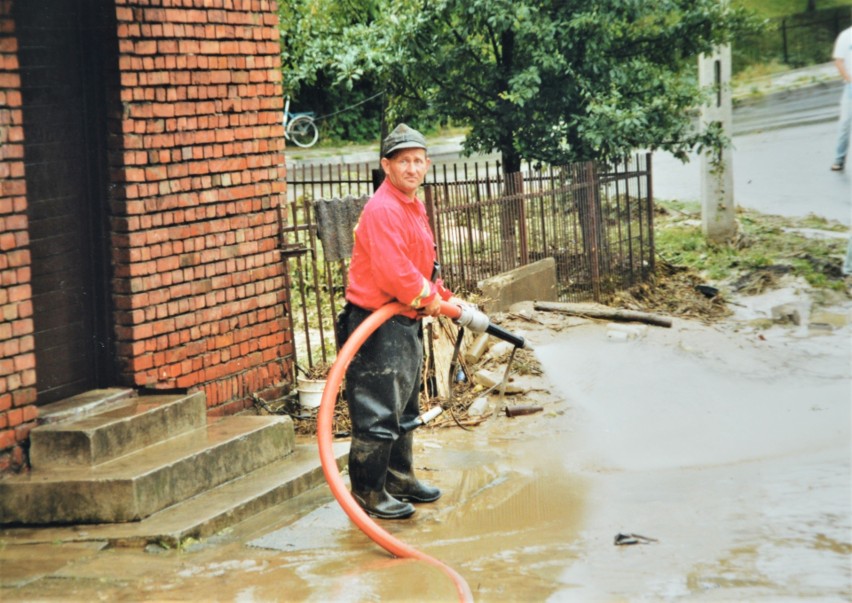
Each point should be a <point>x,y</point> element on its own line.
<point>718,215</point>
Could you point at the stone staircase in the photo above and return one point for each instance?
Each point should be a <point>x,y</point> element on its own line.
<point>127,468</point>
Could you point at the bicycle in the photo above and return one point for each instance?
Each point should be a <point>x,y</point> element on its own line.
<point>300,127</point>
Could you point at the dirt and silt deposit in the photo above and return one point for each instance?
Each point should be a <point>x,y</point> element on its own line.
<point>707,461</point>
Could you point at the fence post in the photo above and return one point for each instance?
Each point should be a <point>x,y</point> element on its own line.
<point>784,41</point>
<point>588,206</point>
<point>650,191</point>
<point>378,178</point>
<point>429,202</point>
<point>520,203</point>
<point>508,222</point>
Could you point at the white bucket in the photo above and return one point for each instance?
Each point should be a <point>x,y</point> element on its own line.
<point>310,392</point>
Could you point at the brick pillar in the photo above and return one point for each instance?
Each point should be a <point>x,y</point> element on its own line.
<point>197,168</point>
<point>17,358</point>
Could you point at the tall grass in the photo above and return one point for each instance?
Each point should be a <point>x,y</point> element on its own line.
<point>781,8</point>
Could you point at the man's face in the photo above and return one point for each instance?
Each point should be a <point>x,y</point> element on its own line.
<point>407,169</point>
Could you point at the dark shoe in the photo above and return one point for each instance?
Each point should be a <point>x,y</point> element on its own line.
<point>401,481</point>
<point>368,466</point>
<point>379,503</point>
<point>412,490</point>
<point>837,167</point>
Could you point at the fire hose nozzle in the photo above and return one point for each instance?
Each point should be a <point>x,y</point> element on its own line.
<point>478,322</point>
<point>473,319</point>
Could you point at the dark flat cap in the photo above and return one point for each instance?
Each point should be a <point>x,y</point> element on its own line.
<point>403,137</point>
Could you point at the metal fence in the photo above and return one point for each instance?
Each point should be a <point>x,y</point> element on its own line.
<point>595,220</point>
<point>797,40</point>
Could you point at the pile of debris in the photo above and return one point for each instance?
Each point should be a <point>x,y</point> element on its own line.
<point>675,291</point>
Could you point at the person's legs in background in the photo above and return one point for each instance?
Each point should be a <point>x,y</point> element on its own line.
<point>845,125</point>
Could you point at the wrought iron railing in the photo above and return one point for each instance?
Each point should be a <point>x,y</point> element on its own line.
<point>595,220</point>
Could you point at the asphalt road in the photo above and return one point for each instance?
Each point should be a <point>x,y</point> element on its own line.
<point>795,107</point>
<point>781,171</point>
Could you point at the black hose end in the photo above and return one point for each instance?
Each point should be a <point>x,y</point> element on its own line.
<point>501,333</point>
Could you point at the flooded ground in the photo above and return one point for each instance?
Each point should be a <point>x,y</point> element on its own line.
<point>728,446</point>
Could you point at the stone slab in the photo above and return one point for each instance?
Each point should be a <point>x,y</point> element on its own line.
<point>136,485</point>
<point>533,282</point>
<point>316,530</point>
<point>83,404</point>
<point>128,426</point>
<point>23,565</point>
<point>200,516</point>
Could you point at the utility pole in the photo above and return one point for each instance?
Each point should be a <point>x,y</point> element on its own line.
<point>718,212</point>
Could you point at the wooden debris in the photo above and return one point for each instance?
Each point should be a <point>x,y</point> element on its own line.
<point>605,312</point>
<point>516,411</point>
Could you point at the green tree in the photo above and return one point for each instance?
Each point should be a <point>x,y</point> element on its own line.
<point>556,80</point>
<point>550,80</point>
<point>329,64</point>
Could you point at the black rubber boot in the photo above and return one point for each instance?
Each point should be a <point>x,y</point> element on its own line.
<point>401,481</point>
<point>368,462</point>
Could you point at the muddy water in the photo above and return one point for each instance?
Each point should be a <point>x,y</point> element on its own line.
<point>508,522</point>
<point>731,450</point>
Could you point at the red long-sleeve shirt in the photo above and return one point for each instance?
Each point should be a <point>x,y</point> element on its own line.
<point>394,253</point>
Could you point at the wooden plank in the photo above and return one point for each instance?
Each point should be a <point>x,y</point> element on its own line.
<point>604,312</point>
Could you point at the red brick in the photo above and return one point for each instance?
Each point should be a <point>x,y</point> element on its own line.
<point>23,396</point>
<point>7,241</point>
<point>31,413</point>
<point>14,417</point>
<point>145,47</point>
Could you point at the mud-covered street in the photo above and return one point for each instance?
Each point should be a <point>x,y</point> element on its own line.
<point>727,447</point>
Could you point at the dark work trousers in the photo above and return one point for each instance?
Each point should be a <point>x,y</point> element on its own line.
<point>383,379</point>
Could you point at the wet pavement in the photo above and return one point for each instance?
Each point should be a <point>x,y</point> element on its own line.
<point>728,446</point>
<point>778,171</point>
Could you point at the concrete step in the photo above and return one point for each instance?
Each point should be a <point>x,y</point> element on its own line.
<point>128,425</point>
<point>203,515</point>
<point>137,485</point>
<point>83,405</point>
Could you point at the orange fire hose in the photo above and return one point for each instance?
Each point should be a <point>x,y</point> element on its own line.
<point>329,464</point>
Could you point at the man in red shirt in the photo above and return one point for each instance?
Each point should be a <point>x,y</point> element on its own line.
<point>392,260</point>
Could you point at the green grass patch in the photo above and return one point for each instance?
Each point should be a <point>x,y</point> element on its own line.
<point>808,246</point>
<point>781,8</point>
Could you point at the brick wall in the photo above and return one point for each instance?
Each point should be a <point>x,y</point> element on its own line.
<point>17,358</point>
<point>197,169</point>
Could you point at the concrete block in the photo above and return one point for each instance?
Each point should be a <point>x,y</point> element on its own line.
<point>786,314</point>
<point>536,281</point>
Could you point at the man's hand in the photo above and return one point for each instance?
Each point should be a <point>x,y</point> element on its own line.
<point>433,308</point>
